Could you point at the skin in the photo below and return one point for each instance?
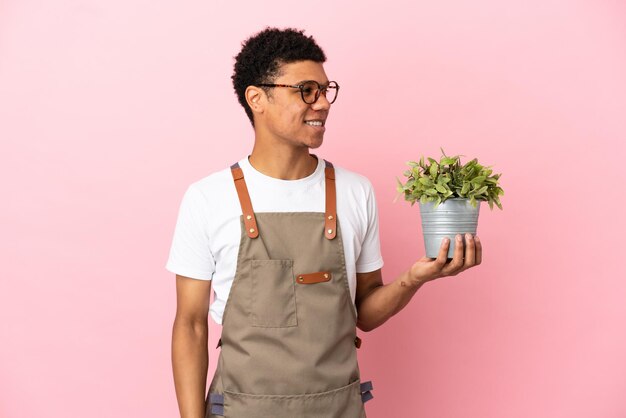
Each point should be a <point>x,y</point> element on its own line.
<point>282,139</point>
<point>281,150</point>
<point>377,302</point>
<point>190,334</point>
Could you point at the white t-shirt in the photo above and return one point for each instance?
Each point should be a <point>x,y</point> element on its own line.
<point>207,235</point>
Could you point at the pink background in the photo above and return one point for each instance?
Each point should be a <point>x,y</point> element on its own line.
<point>108,110</point>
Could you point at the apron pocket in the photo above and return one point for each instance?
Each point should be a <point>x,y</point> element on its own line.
<point>272,294</point>
<point>344,402</point>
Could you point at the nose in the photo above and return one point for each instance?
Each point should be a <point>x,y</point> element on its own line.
<point>322,103</point>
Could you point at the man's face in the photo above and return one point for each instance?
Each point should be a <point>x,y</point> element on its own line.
<point>286,114</point>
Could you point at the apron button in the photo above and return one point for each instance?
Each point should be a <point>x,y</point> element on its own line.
<point>248,217</point>
<point>301,278</point>
<point>251,230</point>
<point>330,231</point>
<point>330,217</point>
<point>326,275</point>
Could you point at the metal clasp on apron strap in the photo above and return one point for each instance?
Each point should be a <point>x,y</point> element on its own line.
<point>366,388</point>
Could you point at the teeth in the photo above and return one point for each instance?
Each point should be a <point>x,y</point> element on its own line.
<point>314,123</point>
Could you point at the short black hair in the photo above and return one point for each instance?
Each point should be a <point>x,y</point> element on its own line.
<point>263,53</point>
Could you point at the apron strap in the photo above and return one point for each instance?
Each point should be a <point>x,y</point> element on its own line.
<point>330,217</point>
<point>244,200</point>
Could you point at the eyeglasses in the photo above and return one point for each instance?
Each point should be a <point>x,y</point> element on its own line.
<point>310,90</point>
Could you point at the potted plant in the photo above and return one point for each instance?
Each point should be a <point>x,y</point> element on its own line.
<point>449,196</point>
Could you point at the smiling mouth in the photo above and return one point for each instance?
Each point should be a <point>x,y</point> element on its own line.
<point>319,123</point>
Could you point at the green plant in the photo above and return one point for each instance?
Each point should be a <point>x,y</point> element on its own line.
<point>440,181</point>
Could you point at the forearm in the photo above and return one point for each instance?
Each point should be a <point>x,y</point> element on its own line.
<point>190,361</point>
<point>385,301</point>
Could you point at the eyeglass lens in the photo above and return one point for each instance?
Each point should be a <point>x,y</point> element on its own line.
<point>311,91</point>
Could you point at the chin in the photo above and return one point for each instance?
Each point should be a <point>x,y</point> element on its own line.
<point>316,143</point>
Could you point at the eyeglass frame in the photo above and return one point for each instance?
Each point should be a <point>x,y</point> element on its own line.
<point>301,86</point>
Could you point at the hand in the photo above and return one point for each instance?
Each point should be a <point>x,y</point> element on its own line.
<point>427,269</point>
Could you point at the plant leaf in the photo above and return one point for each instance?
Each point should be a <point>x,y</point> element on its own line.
<point>433,169</point>
<point>425,181</point>
<point>481,190</point>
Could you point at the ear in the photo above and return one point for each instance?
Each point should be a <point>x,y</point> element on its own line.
<point>255,97</point>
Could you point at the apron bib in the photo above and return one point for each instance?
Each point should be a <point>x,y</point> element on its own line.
<point>288,343</point>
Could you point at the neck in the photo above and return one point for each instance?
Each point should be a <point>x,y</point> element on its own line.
<point>282,162</point>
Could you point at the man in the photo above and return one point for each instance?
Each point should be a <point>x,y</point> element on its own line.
<point>291,244</point>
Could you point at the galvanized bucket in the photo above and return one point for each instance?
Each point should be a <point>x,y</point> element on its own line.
<point>452,217</point>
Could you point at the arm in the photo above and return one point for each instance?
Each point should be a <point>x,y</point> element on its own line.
<point>190,335</point>
<point>377,302</point>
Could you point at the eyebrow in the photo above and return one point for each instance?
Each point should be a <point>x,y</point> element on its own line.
<point>322,84</point>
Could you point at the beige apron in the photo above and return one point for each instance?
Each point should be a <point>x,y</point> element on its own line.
<point>289,325</point>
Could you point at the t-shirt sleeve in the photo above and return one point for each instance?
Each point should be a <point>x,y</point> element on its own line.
<point>190,253</point>
<point>370,258</point>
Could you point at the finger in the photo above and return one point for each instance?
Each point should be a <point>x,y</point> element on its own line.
<point>470,251</point>
<point>442,257</point>
<point>479,250</point>
<point>457,261</point>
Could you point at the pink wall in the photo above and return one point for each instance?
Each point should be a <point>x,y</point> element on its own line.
<point>108,110</point>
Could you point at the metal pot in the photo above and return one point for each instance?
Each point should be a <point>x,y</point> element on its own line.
<point>452,217</point>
